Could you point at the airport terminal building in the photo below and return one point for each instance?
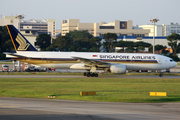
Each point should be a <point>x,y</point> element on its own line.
<point>121,28</point>
<point>31,28</point>
<point>124,30</point>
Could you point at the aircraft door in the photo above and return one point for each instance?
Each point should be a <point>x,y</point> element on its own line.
<point>160,60</point>
<point>42,57</point>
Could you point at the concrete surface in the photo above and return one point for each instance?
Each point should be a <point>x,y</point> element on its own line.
<point>48,109</point>
<point>81,76</point>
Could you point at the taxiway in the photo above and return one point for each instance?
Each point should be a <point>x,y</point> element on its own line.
<point>46,109</point>
<point>81,76</point>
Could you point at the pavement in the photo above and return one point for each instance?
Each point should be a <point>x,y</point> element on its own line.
<point>81,76</point>
<point>175,69</point>
<point>53,109</point>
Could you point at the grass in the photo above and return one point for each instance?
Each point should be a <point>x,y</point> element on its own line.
<point>107,89</point>
<point>39,73</point>
<point>73,73</point>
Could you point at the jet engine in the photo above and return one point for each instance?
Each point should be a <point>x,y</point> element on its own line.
<point>118,68</point>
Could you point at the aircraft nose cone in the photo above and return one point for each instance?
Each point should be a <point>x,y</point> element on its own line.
<point>174,64</point>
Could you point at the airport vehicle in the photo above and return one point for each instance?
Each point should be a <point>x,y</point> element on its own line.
<point>51,69</point>
<point>42,69</point>
<point>31,69</point>
<point>35,69</point>
<point>5,68</point>
<point>109,62</point>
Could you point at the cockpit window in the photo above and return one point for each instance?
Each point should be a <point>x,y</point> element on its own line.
<point>171,60</point>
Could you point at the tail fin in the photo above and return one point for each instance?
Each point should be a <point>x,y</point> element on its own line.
<point>19,41</point>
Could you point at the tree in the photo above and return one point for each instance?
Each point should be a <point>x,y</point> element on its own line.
<point>83,41</point>
<point>150,49</point>
<point>121,50</point>
<point>175,58</point>
<point>43,41</point>
<point>110,40</point>
<point>130,49</point>
<point>79,35</point>
<point>158,48</point>
<point>173,38</point>
<point>140,48</point>
<point>5,42</point>
<point>123,44</point>
<point>129,43</point>
<point>95,44</point>
<point>80,45</point>
<point>80,40</point>
<point>51,48</point>
<point>164,51</point>
<point>141,43</point>
<point>63,43</point>
<point>120,44</point>
<point>178,48</point>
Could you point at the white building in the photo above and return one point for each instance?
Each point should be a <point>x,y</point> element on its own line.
<point>169,29</point>
<point>162,30</point>
<point>41,26</point>
<point>148,39</point>
<point>31,28</point>
<point>9,20</point>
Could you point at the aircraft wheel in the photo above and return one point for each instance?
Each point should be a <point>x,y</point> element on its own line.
<point>88,74</point>
<point>160,75</point>
<point>85,74</point>
<point>96,74</point>
<point>92,74</point>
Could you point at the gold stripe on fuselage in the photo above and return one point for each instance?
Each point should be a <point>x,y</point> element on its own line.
<point>31,61</point>
<point>41,61</point>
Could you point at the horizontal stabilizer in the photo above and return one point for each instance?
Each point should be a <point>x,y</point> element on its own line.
<point>14,55</point>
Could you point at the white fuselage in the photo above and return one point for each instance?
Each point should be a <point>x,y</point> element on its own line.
<point>65,60</point>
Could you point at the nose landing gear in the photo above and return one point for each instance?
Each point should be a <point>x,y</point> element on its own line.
<point>90,74</point>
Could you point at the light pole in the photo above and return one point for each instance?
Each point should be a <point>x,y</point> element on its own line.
<point>154,21</point>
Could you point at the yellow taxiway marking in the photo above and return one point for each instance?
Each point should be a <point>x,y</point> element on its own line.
<point>157,93</point>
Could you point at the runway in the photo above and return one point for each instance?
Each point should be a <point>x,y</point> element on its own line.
<point>81,76</point>
<point>48,109</point>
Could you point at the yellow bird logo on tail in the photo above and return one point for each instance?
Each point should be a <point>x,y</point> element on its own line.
<point>23,45</point>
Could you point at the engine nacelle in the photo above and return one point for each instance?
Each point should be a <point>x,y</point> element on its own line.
<point>121,69</point>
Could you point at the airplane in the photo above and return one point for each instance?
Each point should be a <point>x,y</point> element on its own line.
<point>89,61</point>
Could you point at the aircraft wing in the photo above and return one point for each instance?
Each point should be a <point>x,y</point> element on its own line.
<point>92,62</point>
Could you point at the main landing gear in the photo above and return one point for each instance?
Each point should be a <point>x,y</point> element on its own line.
<point>161,75</point>
<point>92,74</point>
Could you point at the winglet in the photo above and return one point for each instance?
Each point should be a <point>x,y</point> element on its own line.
<point>19,41</point>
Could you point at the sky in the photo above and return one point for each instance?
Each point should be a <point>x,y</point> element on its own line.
<point>94,11</point>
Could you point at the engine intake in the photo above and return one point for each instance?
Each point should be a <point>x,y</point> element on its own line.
<point>119,68</point>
